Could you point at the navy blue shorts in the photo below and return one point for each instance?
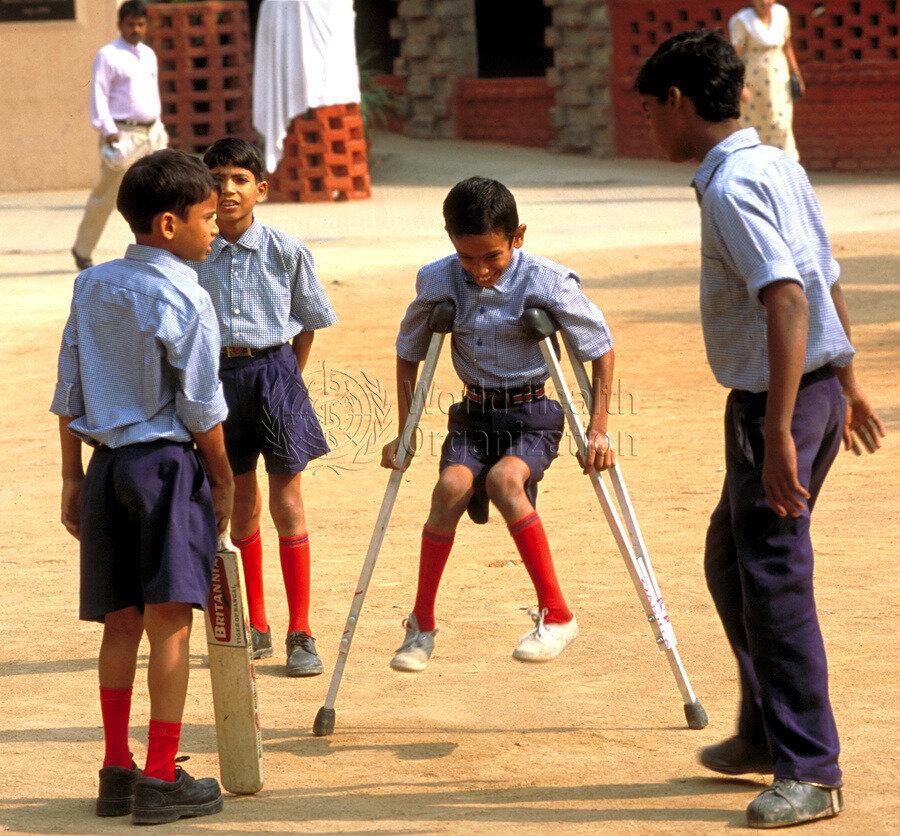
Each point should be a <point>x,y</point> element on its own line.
<point>269,412</point>
<point>480,435</point>
<point>148,529</point>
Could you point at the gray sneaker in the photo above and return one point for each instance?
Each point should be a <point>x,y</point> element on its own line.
<point>414,653</point>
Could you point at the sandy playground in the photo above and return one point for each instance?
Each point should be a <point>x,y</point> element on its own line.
<point>594,742</point>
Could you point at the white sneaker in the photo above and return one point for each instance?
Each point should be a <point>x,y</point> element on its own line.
<point>545,641</point>
<point>414,653</point>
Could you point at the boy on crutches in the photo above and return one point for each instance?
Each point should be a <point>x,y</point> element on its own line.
<point>505,433</point>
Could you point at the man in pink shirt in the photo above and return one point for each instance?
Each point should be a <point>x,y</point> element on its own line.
<point>125,109</point>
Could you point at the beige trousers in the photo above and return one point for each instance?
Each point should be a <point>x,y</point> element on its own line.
<point>137,143</point>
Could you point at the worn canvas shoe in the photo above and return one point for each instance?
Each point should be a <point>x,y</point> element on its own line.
<point>414,653</point>
<point>262,643</point>
<point>545,641</point>
<point>735,756</point>
<point>157,802</point>
<point>116,790</point>
<point>302,659</point>
<point>81,262</point>
<point>788,802</point>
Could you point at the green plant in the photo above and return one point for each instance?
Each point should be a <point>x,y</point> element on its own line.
<point>377,104</point>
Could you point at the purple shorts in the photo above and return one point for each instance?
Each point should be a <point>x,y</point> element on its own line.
<point>480,435</point>
<point>269,412</point>
<point>148,529</point>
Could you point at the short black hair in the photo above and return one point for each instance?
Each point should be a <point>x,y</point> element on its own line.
<point>479,206</point>
<point>164,181</point>
<point>132,8</point>
<point>704,66</point>
<point>236,152</point>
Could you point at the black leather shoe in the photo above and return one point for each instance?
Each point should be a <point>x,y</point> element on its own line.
<point>736,757</point>
<point>262,643</point>
<point>116,790</point>
<point>302,659</point>
<point>81,262</point>
<point>157,802</point>
<point>789,802</point>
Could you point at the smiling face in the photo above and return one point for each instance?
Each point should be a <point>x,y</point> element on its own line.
<point>190,237</point>
<point>239,192</point>
<point>133,29</point>
<point>485,257</point>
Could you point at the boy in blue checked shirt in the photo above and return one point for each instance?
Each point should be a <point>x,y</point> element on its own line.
<point>505,433</point>
<point>137,381</point>
<point>777,334</point>
<point>269,302</point>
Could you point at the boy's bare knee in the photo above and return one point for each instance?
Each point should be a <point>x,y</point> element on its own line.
<point>503,484</point>
<point>126,624</point>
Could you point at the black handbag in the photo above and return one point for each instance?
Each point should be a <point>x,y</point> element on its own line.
<point>796,89</point>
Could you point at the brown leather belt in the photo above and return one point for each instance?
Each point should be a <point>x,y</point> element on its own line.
<point>230,351</point>
<point>504,398</point>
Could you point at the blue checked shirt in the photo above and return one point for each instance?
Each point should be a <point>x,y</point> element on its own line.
<point>761,223</point>
<point>140,353</point>
<point>264,288</point>
<point>489,346</point>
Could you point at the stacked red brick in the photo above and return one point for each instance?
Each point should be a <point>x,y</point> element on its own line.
<point>515,110</point>
<point>205,70</point>
<point>847,50</point>
<point>324,157</point>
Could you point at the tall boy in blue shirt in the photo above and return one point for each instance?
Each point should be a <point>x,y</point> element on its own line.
<point>137,382</point>
<point>777,334</point>
<point>269,302</point>
<point>505,433</point>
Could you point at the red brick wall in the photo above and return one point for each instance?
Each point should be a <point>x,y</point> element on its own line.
<point>848,119</point>
<point>514,110</point>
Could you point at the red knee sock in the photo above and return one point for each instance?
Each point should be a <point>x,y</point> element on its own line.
<point>531,541</point>
<point>251,560</point>
<point>162,747</point>
<point>432,560</point>
<point>294,553</point>
<point>115,706</point>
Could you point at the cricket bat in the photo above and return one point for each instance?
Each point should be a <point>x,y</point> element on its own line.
<point>232,675</point>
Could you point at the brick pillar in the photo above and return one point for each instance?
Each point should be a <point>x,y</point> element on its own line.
<point>437,46</point>
<point>581,39</point>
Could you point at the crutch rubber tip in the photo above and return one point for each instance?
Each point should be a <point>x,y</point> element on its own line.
<point>324,722</point>
<point>693,711</point>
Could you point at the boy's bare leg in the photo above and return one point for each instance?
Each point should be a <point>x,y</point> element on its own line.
<point>245,535</point>
<point>286,507</point>
<point>449,499</point>
<point>168,628</point>
<point>505,485</point>
<point>122,631</point>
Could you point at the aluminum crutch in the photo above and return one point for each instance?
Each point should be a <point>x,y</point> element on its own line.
<point>540,325</point>
<point>440,321</point>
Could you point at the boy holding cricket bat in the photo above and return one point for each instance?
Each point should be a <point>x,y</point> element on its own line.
<point>137,382</point>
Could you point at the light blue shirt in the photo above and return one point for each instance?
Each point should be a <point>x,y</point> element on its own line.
<point>140,353</point>
<point>489,346</point>
<point>264,288</point>
<point>761,223</point>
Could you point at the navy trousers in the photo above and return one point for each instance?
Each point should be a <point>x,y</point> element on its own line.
<point>759,570</point>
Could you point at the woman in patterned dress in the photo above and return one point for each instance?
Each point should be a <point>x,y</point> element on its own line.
<point>761,34</point>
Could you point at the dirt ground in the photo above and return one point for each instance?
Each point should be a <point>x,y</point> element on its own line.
<point>593,742</point>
